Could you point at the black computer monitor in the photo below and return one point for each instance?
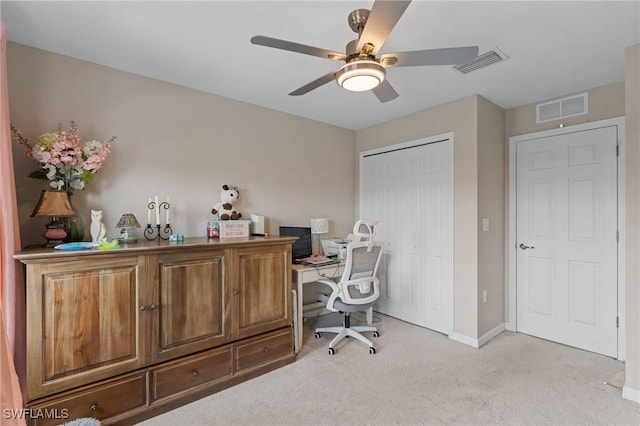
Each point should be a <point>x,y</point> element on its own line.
<point>301,248</point>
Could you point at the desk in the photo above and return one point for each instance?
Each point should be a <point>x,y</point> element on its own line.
<point>303,274</point>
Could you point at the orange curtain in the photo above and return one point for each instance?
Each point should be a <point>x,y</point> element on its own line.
<point>12,301</point>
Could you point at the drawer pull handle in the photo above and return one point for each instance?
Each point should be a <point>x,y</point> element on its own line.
<point>94,407</point>
<point>194,373</point>
<point>266,349</point>
<point>153,307</point>
<point>143,308</point>
<point>236,292</point>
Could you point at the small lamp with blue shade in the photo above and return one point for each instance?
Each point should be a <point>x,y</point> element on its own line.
<point>127,224</point>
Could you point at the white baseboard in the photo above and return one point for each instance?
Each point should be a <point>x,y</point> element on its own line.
<point>631,394</point>
<point>491,334</point>
<point>461,338</point>
<point>477,343</point>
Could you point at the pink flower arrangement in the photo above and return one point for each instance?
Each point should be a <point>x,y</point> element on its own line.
<point>63,159</point>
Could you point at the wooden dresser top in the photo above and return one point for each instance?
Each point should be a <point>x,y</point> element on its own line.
<point>143,247</point>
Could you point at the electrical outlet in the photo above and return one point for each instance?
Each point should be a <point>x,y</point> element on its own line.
<point>484,296</point>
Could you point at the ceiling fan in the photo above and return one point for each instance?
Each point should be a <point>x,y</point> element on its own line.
<point>364,69</point>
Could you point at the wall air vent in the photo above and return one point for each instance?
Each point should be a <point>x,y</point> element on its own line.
<point>483,60</point>
<point>563,108</point>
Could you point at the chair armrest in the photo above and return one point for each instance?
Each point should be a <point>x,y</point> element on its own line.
<point>373,282</point>
<point>330,283</point>
<point>336,292</point>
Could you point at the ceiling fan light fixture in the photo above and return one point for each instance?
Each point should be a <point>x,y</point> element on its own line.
<point>359,76</point>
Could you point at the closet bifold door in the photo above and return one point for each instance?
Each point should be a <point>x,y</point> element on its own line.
<point>408,188</point>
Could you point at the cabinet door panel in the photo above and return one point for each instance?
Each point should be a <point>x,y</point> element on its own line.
<point>264,290</point>
<point>87,316</point>
<point>90,319</point>
<point>192,305</point>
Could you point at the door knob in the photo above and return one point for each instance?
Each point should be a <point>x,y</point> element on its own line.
<point>524,246</point>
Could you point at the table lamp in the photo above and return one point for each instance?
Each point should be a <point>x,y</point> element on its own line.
<point>319,227</point>
<point>127,223</point>
<point>53,204</point>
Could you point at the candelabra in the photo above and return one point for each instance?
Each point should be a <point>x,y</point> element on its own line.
<point>161,231</point>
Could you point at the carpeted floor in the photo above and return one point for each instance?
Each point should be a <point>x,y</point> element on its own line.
<point>419,377</point>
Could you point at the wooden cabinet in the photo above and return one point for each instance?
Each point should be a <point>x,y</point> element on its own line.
<point>192,309</point>
<point>162,323</point>
<point>82,322</point>
<point>259,351</point>
<point>262,303</point>
<point>106,400</point>
<point>195,371</point>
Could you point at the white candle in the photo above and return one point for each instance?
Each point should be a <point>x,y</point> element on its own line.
<point>149,212</point>
<point>168,207</point>
<point>157,212</point>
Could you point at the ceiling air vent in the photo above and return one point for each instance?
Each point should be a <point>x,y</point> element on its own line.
<point>562,108</point>
<point>483,60</point>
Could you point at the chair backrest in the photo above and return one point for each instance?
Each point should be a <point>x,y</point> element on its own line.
<point>365,229</point>
<point>359,284</point>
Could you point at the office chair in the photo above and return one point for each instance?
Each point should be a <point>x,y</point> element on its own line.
<point>357,289</point>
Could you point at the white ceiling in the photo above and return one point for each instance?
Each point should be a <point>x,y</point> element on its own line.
<point>555,48</point>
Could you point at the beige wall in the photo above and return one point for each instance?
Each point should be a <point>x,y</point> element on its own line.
<point>491,181</point>
<point>178,142</point>
<point>462,118</point>
<point>604,102</point>
<point>632,181</point>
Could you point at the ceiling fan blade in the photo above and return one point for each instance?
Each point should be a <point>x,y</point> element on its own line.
<point>297,47</point>
<point>383,17</point>
<point>385,92</point>
<point>446,56</point>
<point>314,84</point>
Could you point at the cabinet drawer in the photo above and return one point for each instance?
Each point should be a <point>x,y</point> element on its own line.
<point>309,275</point>
<point>101,401</point>
<point>257,352</point>
<point>178,376</point>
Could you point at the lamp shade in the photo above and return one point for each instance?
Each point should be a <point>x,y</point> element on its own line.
<point>53,204</point>
<point>359,76</point>
<point>319,226</point>
<point>128,221</point>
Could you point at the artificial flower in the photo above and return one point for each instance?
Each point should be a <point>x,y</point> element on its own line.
<point>63,159</point>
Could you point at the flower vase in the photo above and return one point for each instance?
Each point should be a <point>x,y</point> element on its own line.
<point>75,225</point>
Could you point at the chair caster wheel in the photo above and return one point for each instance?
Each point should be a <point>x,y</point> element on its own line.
<point>318,335</point>
<point>372,350</point>
<point>376,334</point>
<point>332,351</point>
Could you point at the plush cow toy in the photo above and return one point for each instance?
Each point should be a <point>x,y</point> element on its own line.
<point>225,208</point>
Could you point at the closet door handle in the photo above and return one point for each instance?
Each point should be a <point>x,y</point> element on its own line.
<point>523,246</point>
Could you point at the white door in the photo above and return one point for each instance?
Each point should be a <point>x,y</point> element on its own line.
<point>409,190</point>
<point>566,240</point>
